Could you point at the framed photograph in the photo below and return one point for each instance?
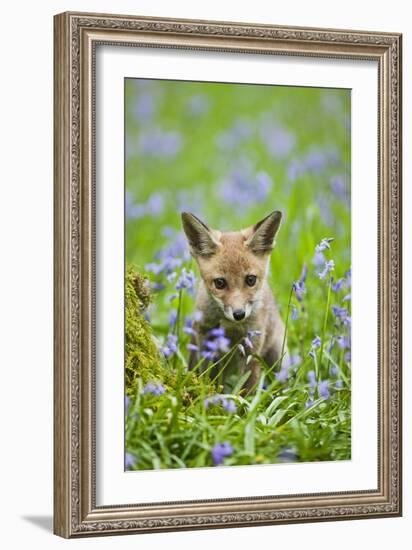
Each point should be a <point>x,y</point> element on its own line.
<point>227,274</point>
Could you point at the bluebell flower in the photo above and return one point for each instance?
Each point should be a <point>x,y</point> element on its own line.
<point>243,187</point>
<point>316,342</point>
<point>294,315</point>
<point>129,461</point>
<point>342,314</point>
<point>216,332</point>
<point>340,188</point>
<point>236,135</point>
<point>153,389</point>
<point>283,375</point>
<point>220,451</point>
<point>192,347</point>
<point>329,266</point>
<point>230,406</point>
<point>198,105</point>
<point>323,389</point>
<point>339,384</point>
<point>319,259</point>
<point>170,346</point>
<point>160,143</point>
<point>299,285</point>
<point>299,289</point>
<point>347,298</point>
<point>278,141</point>
<point>334,371</point>
<point>343,342</point>
<point>338,285</point>
<point>324,244</point>
<point>308,403</point>
<point>172,318</point>
<point>187,281</point>
<point>312,378</point>
<point>144,107</point>
<point>188,328</point>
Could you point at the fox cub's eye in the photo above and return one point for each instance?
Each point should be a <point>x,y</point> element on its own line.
<point>250,280</point>
<point>220,283</point>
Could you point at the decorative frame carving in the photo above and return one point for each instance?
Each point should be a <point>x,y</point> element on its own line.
<point>76,36</point>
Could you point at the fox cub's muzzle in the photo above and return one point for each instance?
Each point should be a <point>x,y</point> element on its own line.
<point>239,314</point>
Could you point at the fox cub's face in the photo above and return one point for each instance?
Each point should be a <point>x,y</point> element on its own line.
<point>233,265</point>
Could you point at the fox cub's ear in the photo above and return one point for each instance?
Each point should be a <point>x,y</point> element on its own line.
<point>201,239</point>
<point>262,238</point>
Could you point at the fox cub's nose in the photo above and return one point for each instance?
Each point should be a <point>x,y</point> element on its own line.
<point>239,314</point>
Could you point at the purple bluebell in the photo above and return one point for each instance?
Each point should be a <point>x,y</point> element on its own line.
<point>294,314</point>
<point>153,389</point>
<point>220,451</point>
<point>299,285</point>
<point>348,276</point>
<point>144,107</point>
<point>336,286</point>
<point>328,267</point>
<point>283,375</point>
<point>243,187</point>
<point>323,389</point>
<point>129,461</point>
<point>216,332</point>
<point>278,141</point>
<point>187,281</point>
<point>192,347</point>
<point>342,314</point>
<point>312,378</point>
<point>339,384</point>
<point>239,133</point>
<point>316,342</point>
<point>172,318</point>
<point>334,370</point>
<point>170,346</point>
<point>347,297</point>
<point>230,406</point>
<point>159,143</point>
<point>324,244</point>
<point>343,342</point>
<point>299,289</point>
<point>308,403</point>
<point>154,206</point>
<point>319,259</point>
<point>198,105</point>
<point>340,188</point>
<point>188,327</point>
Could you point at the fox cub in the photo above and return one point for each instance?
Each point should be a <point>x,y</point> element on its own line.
<point>234,292</point>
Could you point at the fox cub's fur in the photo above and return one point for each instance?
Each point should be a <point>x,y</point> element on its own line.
<point>234,292</point>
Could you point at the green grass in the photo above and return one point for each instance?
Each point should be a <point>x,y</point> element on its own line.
<point>282,420</point>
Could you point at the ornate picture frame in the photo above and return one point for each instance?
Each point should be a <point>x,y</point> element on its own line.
<point>76,36</point>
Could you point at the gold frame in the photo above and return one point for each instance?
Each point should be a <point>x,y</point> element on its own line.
<point>75,38</point>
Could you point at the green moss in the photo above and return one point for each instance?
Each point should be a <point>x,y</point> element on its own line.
<point>143,360</point>
<point>142,357</point>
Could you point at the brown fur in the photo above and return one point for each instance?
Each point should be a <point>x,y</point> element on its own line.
<point>232,256</point>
